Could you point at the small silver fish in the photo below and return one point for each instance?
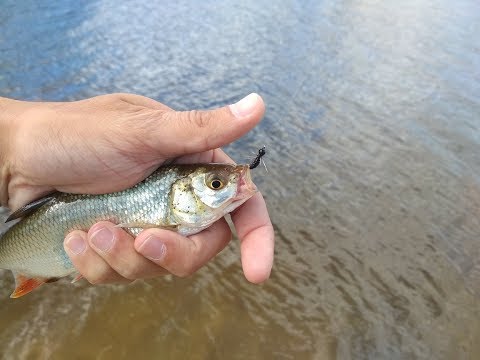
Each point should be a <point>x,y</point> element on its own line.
<point>182,198</point>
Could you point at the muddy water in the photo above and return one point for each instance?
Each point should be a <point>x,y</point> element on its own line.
<point>372,130</point>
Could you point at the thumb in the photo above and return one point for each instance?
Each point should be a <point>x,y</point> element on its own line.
<point>188,132</point>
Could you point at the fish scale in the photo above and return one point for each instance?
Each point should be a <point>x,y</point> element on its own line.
<point>34,246</point>
<point>68,212</point>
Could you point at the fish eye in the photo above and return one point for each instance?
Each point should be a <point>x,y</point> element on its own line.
<point>215,182</point>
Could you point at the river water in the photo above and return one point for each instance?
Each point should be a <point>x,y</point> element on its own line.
<point>372,131</point>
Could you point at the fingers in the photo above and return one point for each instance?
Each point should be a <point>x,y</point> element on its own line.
<point>115,246</point>
<point>180,255</point>
<point>256,235</point>
<point>188,132</point>
<point>87,261</point>
<point>106,254</point>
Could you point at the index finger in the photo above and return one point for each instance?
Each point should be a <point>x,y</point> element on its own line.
<point>256,235</point>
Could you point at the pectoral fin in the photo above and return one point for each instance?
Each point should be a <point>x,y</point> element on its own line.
<point>141,225</point>
<point>26,284</point>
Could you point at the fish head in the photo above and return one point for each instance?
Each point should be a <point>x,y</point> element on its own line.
<point>209,192</point>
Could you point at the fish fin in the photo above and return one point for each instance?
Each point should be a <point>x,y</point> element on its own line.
<point>29,208</point>
<point>147,226</point>
<point>76,278</point>
<point>25,284</point>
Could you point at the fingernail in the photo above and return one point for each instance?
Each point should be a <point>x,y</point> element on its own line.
<point>245,106</point>
<point>76,244</point>
<point>102,239</point>
<point>153,248</point>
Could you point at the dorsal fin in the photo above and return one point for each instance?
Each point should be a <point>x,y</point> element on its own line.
<point>29,208</point>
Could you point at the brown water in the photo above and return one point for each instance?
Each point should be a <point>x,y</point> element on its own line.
<point>372,132</point>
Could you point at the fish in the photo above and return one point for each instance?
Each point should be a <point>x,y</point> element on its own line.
<point>182,198</point>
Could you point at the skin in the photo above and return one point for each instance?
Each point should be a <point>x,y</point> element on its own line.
<point>109,143</point>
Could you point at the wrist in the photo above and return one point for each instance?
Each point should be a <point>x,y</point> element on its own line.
<point>9,111</point>
<point>4,139</point>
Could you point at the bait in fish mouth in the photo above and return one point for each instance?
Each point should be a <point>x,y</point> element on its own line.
<point>182,198</point>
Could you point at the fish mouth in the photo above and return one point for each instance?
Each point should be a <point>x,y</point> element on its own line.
<point>245,188</point>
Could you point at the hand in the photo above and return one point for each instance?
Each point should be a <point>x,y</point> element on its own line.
<point>109,143</point>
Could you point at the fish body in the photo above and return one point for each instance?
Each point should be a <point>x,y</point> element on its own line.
<point>183,198</point>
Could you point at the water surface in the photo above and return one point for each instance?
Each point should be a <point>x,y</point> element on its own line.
<point>372,133</point>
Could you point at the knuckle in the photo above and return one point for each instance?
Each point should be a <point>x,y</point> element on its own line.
<point>97,280</point>
<point>112,97</point>
<point>188,269</point>
<point>190,263</point>
<point>106,99</point>
<point>116,97</point>
<point>129,272</point>
<point>198,118</point>
<point>113,102</point>
<point>102,277</point>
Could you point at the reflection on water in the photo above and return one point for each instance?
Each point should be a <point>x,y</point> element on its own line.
<point>373,182</point>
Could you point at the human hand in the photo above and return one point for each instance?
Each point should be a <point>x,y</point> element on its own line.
<point>109,143</point>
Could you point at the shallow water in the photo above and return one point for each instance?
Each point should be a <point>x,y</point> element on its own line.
<point>372,134</point>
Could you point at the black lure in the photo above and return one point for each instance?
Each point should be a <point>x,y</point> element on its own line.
<point>256,161</point>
